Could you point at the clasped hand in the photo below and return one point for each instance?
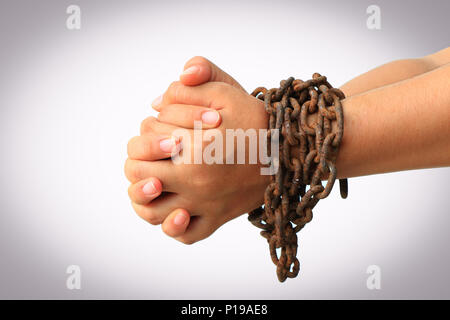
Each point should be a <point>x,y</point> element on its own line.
<point>191,200</point>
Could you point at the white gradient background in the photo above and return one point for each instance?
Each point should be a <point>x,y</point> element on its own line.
<point>70,100</point>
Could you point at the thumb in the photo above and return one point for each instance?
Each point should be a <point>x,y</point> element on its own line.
<point>199,70</point>
<point>176,223</point>
<point>187,229</point>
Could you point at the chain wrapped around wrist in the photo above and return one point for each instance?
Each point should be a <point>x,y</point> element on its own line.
<point>297,187</point>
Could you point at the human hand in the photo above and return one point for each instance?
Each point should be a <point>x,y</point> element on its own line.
<point>199,70</point>
<point>212,193</point>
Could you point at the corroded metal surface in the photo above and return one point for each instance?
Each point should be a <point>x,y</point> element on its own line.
<point>297,186</point>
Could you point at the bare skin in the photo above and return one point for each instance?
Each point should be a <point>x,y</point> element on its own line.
<point>376,140</point>
<point>208,192</point>
<point>395,71</point>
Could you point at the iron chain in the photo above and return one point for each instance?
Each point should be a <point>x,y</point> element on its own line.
<point>288,202</point>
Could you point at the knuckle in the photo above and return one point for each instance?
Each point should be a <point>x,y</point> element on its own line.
<point>133,170</point>
<point>144,125</point>
<point>164,229</point>
<point>193,115</point>
<point>167,231</point>
<point>164,113</point>
<point>135,195</point>
<point>131,146</point>
<point>196,60</point>
<point>148,124</point>
<point>153,220</point>
<point>148,214</point>
<point>173,90</point>
<point>125,168</point>
<point>186,241</point>
<point>145,148</point>
<point>183,116</point>
<point>131,192</point>
<point>173,85</point>
<point>186,115</point>
<point>129,170</point>
<point>199,59</point>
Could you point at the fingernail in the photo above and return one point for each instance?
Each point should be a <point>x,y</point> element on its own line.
<point>149,188</point>
<point>210,117</point>
<point>190,70</point>
<point>179,219</point>
<point>157,101</point>
<point>168,145</point>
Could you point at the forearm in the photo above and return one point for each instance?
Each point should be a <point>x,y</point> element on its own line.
<point>395,71</point>
<point>398,127</point>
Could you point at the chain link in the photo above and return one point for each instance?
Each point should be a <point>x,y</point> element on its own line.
<point>288,202</point>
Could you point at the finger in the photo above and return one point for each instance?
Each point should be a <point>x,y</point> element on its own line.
<point>176,223</point>
<point>156,211</point>
<point>199,70</point>
<point>152,124</point>
<point>164,170</point>
<point>184,116</point>
<point>144,191</point>
<point>198,229</point>
<point>202,95</point>
<point>152,146</point>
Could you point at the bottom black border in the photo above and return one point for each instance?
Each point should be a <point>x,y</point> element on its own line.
<point>223,309</point>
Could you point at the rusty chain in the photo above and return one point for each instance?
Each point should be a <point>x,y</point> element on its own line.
<point>288,203</point>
